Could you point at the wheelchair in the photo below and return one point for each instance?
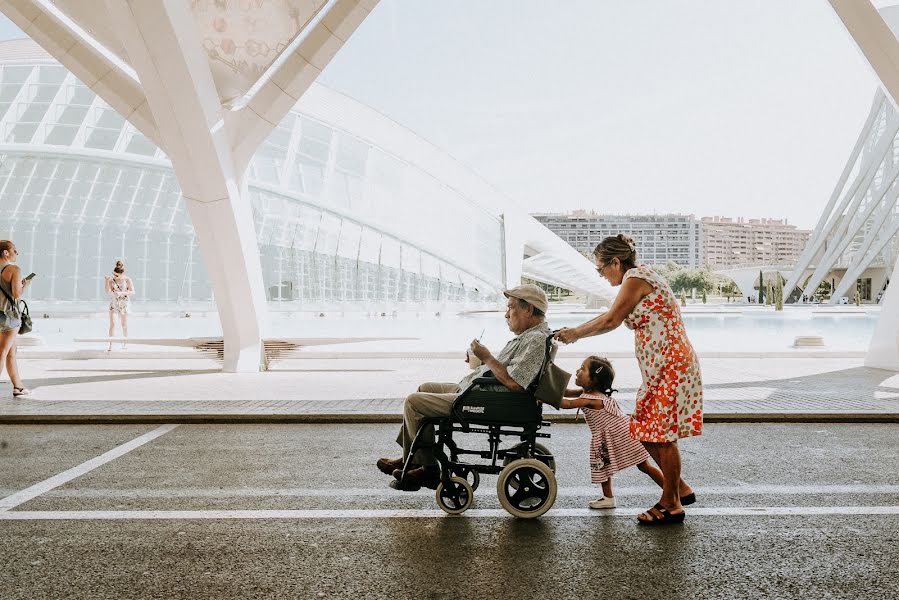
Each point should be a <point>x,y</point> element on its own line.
<point>526,486</point>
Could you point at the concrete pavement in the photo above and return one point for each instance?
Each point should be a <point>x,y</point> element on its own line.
<point>235,511</point>
<point>353,388</point>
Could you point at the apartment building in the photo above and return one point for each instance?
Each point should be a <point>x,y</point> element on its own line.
<point>659,238</point>
<point>736,242</point>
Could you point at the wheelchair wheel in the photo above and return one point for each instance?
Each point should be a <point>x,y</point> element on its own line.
<point>455,498</point>
<point>526,488</point>
<point>470,475</point>
<point>550,461</point>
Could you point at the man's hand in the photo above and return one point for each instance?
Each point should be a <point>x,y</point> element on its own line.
<point>566,335</point>
<point>480,351</point>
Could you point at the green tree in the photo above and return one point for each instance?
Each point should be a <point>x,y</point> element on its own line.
<point>761,287</point>
<point>686,279</point>
<point>727,286</point>
<point>778,292</point>
<point>667,270</point>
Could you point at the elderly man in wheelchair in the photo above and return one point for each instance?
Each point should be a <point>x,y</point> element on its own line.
<point>498,398</point>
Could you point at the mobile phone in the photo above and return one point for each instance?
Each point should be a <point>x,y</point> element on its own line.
<point>31,276</point>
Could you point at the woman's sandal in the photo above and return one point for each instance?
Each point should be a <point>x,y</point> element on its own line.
<point>688,499</point>
<point>20,391</point>
<point>667,518</point>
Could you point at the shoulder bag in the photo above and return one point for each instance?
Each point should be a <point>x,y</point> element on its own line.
<point>19,311</point>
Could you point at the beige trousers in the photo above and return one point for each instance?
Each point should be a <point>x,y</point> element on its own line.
<point>431,400</point>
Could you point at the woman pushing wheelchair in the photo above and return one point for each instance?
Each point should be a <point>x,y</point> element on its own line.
<point>669,402</point>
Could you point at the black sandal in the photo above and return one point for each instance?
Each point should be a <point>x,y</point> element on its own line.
<point>688,499</point>
<point>667,517</point>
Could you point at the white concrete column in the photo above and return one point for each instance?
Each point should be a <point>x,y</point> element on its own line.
<point>164,50</point>
<point>881,48</point>
<point>227,240</point>
<point>883,353</point>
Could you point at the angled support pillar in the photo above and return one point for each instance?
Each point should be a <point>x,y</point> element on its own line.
<point>864,255</point>
<point>165,51</point>
<point>881,48</point>
<point>828,219</point>
<point>846,228</point>
<point>513,249</point>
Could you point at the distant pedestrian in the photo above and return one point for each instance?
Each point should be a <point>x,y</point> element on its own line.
<point>669,403</point>
<point>13,287</point>
<point>120,288</point>
<point>612,449</point>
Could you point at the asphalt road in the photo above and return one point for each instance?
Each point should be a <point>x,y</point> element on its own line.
<point>784,511</point>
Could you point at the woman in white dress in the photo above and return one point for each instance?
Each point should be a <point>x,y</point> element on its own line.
<point>120,289</point>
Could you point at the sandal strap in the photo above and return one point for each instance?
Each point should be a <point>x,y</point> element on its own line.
<point>661,511</point>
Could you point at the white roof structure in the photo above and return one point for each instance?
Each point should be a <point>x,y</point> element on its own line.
<point>207,82</point>
<point>210,83</point>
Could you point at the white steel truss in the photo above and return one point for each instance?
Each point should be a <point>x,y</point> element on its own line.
<point>873,28</point>
<point>856,229</point>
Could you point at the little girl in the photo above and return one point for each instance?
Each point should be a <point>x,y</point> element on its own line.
<point>611,448</point>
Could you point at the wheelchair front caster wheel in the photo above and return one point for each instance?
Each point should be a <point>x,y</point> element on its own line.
<point>470,475</point>
<point>456,497</point>
<point>526,488</point>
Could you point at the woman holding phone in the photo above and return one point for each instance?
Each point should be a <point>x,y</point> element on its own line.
<point>12,287</point>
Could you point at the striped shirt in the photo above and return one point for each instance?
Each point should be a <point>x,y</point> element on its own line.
<point>612,448</point>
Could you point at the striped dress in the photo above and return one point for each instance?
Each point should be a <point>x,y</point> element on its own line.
<point>611,447</point>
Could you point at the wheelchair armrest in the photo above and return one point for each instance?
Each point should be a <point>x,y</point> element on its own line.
<point>487,381</point>
<point>497,408</point>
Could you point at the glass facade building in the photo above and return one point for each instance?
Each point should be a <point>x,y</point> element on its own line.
<point>341,219</point>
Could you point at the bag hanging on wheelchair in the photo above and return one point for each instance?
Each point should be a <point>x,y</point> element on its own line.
<point>552,385</point>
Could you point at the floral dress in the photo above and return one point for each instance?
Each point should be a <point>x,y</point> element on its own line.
<point>669,402</point>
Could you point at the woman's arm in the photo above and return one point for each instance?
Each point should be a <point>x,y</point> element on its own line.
<point>632,291</point>
<point>573,392</point>
<point>16,283</point>
<point>582,402</point>
<point>129,287</point>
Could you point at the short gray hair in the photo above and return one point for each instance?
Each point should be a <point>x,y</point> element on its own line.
<point>534,310</point>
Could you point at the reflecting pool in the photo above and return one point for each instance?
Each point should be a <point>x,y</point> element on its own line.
<point>725,330</point>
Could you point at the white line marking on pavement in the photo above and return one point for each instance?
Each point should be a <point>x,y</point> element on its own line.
<point>108,515</point>
<point>79,470</point>
<point>385,492</point>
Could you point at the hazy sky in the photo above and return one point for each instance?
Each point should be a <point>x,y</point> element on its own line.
<point>740,108</point>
